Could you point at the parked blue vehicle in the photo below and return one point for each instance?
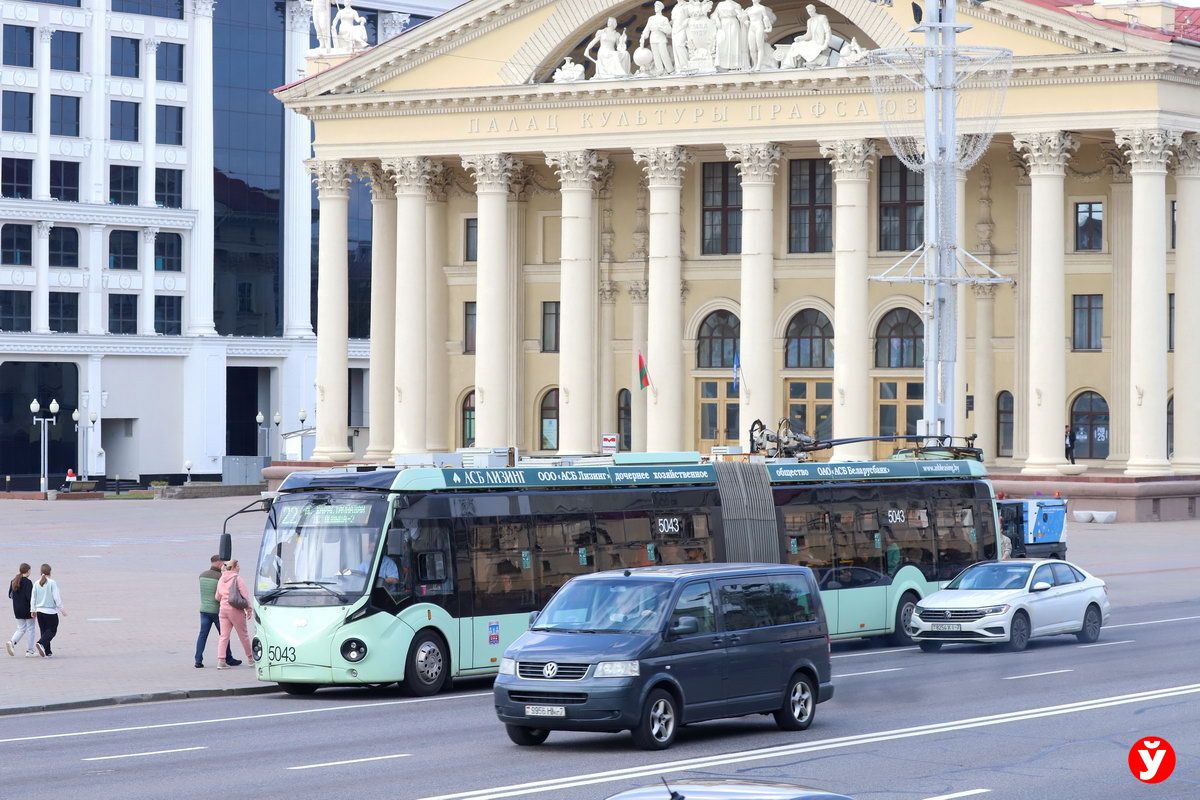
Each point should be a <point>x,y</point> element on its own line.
<point>1036,527</point>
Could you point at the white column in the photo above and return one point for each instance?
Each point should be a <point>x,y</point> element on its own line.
<point>200,170</point>
<point>757,164</point>
<point>92,397</point>
<point>438,412</point>
<point>94,294</point>
<point>1148,151</point>
<point>145,316</point>
<point>1046,155</point>
<point>333,311</point>
<point>664,357</point>
<point>578,293</point>
<point>148,122</point>
<point>1187,305</point>
<point>297,225</point>
<point>41,113</point>
<point>985,370</point>
<point>852,404</point>
<point>606,422</point>
<point>1119,232</point>
<point>494,357</point>
<point>383,312</point>
<point>40,310</point>
<point>94,175</point>
<point>638,293</point>
<point>1021,293</point>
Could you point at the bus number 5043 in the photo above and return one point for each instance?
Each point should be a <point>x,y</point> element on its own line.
<point>279,654</point>
<point>895,516</point>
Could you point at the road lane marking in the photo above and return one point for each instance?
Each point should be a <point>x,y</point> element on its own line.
<point>1037,674</point>
<point>1106,644</point>
<point>875,652</point>
<point>1151,622</point>
<point>968,793</point>
<point>739,757</point>
<point>189,723</point>
<point>104,619</point>
<point>148,753</point>
<point>352,761</point>
<point>869,672</point>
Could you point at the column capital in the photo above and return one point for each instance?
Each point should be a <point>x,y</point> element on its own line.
<point>493,172</point>
<point>149,235</point>
<point>757,163</point>
<point>577,169</point>
<point>851,158</point>
<point>664,166</point>
<point>441,178</point>
<point>42,227</point>
<point>331,175</point>
<point>1187,156</point>
<point>299,16</point>
<point>45,33</point>
<point>376,175</point>
<point>638,291</point>
<point>1148,149</point>
<point>150,45</point>
<point>608,292</point>
<point>1046,152</point>
<point>411,174</point>
<point>202,8</point>
<point>984,291</point>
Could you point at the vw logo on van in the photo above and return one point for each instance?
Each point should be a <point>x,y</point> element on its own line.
<point>550,670</point>
<point>948,615</point>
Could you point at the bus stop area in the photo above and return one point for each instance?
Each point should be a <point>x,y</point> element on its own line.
<point>128,572</point>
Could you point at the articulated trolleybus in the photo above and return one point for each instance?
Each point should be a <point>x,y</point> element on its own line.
<point>419,575</point>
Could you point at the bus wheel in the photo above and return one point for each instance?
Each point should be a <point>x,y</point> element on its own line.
<point>425,671</point>
<point>904,613</point>
<point>299,688</point>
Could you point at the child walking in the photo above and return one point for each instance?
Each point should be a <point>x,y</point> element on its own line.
<point>20,591</point>
<point>47,604</point>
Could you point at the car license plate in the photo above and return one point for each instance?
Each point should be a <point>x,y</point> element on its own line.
<point>943,626</point>
<point>545,711</point>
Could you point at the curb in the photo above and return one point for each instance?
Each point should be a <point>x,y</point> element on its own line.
<point>130,699</point>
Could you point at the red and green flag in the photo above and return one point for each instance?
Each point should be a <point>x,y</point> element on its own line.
<point>643,372</point>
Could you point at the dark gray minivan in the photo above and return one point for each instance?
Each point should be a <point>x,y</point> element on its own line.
<point>649,649</point>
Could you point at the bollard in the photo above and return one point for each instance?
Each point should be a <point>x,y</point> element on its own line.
<point>118,483</point>
<point>8,483</point>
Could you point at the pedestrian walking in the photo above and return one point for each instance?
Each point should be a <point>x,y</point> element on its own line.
<point>210,611</point>
<point>47,604</point>
<point>1070,444</point>
<point>234,599</point>
<point>20,591</point>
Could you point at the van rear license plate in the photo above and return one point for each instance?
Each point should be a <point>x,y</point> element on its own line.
<point>545,711</point>
<point>942,626</point>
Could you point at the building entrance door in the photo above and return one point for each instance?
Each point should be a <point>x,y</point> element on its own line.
<point>809,405</point>
<point>899,404</point>
<point>718,415</point>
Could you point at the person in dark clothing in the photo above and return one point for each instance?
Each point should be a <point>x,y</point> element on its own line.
<point>20,591</point>
<point>210,612</point>
<point>1070,444</point>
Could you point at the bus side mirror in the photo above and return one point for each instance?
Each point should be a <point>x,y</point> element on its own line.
<point>225,550</point>
<point>1040,586</point>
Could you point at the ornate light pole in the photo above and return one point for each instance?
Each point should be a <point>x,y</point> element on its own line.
<point>84,469</point>
<point>278,418</point>
<point>264,430</point>
<point>42,422</point>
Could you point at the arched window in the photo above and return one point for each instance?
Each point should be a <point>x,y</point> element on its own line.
<point>624,420</point>
<point>548,421</point>
<point>1004,424</point>
<point>900,340</point>
<point>717,343</point>
<point>809,341</point>
<point>468,420</point>
<point>1171,427</point>
<point>1089,418</point>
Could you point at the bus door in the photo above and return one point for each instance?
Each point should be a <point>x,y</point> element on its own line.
<point>431,573</point>
<point>858,575</point>
<point>807,542</point>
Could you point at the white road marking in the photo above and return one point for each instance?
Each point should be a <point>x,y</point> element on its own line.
<point>352,761</point>
<point>1037,675</point>
<point>1151,622</point>
<point>149,753</point>
<point>968,793</point>
<point>189,723</point>
<point>738,757</point>
<point>869,672</point>
<point>104,619</point>
<point>875,652</point>
<point>1106,644</point>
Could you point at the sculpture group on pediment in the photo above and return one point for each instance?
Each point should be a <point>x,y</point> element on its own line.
<point>338,34</point>
<point>706,36</point>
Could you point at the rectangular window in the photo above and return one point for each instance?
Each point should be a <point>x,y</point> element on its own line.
<point>168,187</point>
<point>168,124</point>
<point>169,65</point>
<point>901,206</point>
<point>15,314</point>
<point>16,245</point>
<point>1089,226</point>
<point>550,327</point>
<point>722,209</point>
<point>64,181</point>
<point>64,247</point>
<point>810,206</point>
<point>168,315</point>
<point>64,115</point>
<point>1088,322</point>
<point>18,46</point>
<point>123,250</point>
<point>122,313</point>
<point>126,58</point>
<point>172,9</point>
<point>64,51</point>
<point>64,312</point>
<point>471,240</point>
<point>469,327</point>
<point>17,112</point>
<point>168,252</point>
<point>122,185</point>
<point>123,121</point>
<point>1171,322</point>
<point>16,178</point>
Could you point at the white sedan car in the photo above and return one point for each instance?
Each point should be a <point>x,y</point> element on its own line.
<point>1010,602</point>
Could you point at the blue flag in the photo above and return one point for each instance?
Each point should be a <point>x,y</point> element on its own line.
<point>737,371</point>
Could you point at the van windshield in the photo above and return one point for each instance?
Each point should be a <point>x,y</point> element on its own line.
<point>607,606</point>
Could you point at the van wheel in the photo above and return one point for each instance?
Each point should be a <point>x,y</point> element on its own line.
<point>904,614</point>
<point>425,669</point>
<point>526,737</point>
<point>799,705</point>
<point>299,689</point>
<point>929,647</point>
<point>1018,634</point>
<point>659,722</point>
<point>1090,631</point>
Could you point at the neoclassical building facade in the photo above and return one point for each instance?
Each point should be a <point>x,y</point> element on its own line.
<point>557,256</point>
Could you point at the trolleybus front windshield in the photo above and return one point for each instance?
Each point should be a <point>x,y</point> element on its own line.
<point>319,549</point>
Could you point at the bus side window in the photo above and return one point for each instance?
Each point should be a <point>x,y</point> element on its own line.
<point>431,551</point>
<point>503,566</point>
<point>808,540</point>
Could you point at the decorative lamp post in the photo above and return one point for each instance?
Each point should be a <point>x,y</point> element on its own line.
<point>263,429</point>
<point>277,419</point>
<point>42,422</point>
<point>187,466</point>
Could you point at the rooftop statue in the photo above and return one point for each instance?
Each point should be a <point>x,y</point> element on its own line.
<point>612,52</point>
<point>658,32</point>
<point>731,22</point>
<point>810,49</point>
<point>760,22</point>
<point>345,32</point>
<point>569,72</point>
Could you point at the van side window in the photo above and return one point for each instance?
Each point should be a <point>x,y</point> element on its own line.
<point>763,602</point>
<point>695,601</point>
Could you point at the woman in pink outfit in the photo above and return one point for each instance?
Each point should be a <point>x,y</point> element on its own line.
<point>232,617</point>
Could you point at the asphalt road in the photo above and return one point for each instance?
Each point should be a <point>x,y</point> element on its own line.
<point>1054,722</point>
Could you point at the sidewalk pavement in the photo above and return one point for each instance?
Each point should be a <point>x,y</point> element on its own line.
<point>128,573</point>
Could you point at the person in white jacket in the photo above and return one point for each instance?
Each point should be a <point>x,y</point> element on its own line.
<point>47,604</point>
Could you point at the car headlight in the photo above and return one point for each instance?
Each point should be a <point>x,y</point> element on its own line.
<point>618,669</point>
<point>990,610</point>
<point>508,666</point>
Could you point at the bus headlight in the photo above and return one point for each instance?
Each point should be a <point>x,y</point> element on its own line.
<point>990,610</point>
<point>508,666</point>
<point>256,649</point>
<point>354,650</point>
<point>618,669</point>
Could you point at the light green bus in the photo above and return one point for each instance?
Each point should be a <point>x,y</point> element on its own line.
<point>421,575</point>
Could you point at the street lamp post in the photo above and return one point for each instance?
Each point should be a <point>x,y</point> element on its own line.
<point>277,419</point>
<point>84,466</point>
<point>42,422</point>
<point>187,466</point>
<point>264,430</point>
<point>302,416</point>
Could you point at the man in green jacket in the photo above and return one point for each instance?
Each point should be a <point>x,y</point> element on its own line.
<point>210,611</point>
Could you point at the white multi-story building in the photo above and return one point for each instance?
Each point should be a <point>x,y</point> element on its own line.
<point>156,231</point>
